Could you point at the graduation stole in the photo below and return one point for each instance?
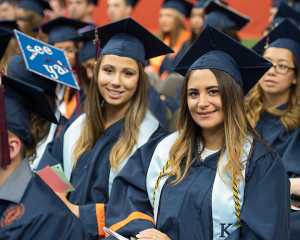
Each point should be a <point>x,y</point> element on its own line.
<point>228,192</point>
<point>158,169</point>
<point>148,126</point>
<point>228,195</point>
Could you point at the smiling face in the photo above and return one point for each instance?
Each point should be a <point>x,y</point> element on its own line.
<point>118,79</point>
<point>204,100</point>
<point>273,82</point>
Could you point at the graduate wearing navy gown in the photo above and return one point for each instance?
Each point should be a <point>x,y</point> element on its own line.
<point>87,58</point>
<point>96,146</point>
<point>279,119</point>
<point>63,33</point>
<point>272,104</point>
<point>191,182</point>
<point>29,209</point>
<point>44,131</point>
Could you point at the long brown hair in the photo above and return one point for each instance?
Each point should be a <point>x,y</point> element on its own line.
<point>236,129</point>
<point>290,117</point>
<point>94,125</point>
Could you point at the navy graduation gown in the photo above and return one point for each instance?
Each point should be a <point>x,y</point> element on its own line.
<point>54,151</point>
<point>291,156</point>
<point>185,209</point>
<point>162,109</point>
<point>91,179</point>
<point>272,130</point>
<point>291,161</point>
<point>91,175</point>
<point>132,212</point>
<point>39,214</point>
<point>286,144</point>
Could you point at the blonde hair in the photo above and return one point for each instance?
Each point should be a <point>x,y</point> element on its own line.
<point>178,28</point>
<point>94,125</point>
<point>236,130</point>
<point>289,117</point>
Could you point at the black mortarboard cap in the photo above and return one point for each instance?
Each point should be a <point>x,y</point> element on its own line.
<point>285,11</point>
<point>223,17</point>
<point>5,38</point>
<point>285,35</point>
<point>128,38</point>
<point>62,29</point>
<point>16,69</point>
<point>38,6</point>
<point>216,50</point>
<point>181,6</point>
<point>21,99</point>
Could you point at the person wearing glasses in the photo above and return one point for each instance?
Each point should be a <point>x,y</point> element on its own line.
<point>273,105</point>
<point>213,178</point>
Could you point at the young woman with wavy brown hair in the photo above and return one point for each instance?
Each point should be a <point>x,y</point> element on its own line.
<point>116,122</point>
<point>273,105</point>
<point>212,178</point>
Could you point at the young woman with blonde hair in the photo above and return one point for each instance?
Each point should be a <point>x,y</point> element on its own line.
<point>172,32</point>
<point>212,179</point>
<point>116,124</point>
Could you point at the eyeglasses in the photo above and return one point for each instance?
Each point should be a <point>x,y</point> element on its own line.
<point>282,68</point>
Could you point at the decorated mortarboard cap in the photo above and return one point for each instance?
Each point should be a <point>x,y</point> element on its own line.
<point>21,99</point>
<point>62,29</point>
<point>37,6</point>
<point>285,35</point>
<point>16,69</point>
<point>181,6</point>
<point>223,17</point>
<point>127,38</point>
<point>215,50</point>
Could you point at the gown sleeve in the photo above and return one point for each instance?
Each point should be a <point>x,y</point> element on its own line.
<point>129,210</point>
<point>265,212</point>
<point>48,227</point>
